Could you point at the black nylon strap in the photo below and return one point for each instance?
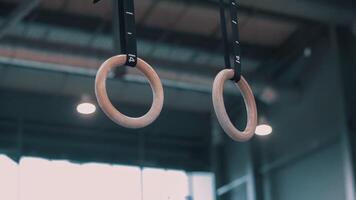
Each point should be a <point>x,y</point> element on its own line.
<point>128,43</point>
<point>234,38</point>
<point>128,31</point>
<point>224,34</point>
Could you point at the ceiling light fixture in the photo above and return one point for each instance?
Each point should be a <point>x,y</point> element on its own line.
<point>86,108</point>
<point>263,129</point>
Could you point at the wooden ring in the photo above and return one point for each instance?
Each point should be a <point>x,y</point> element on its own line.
<point>220,110</point>
<point>111,111</point>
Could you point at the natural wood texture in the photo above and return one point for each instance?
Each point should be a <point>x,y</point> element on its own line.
<point>111,111</point>
<point>220,110</point>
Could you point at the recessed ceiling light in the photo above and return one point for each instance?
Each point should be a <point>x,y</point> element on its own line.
<point>307,52</point>
<point>263,129</point>
<point>86,108</point>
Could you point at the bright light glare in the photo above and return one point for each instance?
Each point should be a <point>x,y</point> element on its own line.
<point>41,179</point>
<point>160,184</point>
<point>263,129</point>
<point>86,108</point>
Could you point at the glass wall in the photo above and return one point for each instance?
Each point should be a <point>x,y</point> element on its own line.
<point>41,179</point>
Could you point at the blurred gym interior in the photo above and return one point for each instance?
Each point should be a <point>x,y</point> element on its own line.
<point>57,143</point>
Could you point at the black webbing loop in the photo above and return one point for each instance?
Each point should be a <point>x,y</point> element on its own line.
<point>224,34</point>
<point>128,31</point>
<point>128,43</point>
<point>234,38</point>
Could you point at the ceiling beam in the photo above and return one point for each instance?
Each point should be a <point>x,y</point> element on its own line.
<point>317,11</point>
<point>18,15</point>
<point>87,24</point>
<point>202,69</point>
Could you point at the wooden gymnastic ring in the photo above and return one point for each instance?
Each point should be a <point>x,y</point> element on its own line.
<point>111,111</point>
<point>220,110</point>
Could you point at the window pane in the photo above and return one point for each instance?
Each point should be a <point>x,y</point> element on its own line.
<point>57,180</point>
<point>8,178</point>
<point>177,182</point>
<point>41,179</point>
<point>159,184</point>
<point>153,184</point>
<point>203,186</point>
<point>129,182</point>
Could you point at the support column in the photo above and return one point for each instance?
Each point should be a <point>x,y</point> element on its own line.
<point>255,179</point>
<point>344,42</point>
<point>217,162</point>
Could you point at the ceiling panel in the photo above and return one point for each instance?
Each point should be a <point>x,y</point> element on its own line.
<point>141,8</point>
<point>86,7</point>
<point>199,20</point>
<point>165,14</point>
<point>52,4</point>
<point>264,31</point>
<point>11,1</point>
<point>186,18</point>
